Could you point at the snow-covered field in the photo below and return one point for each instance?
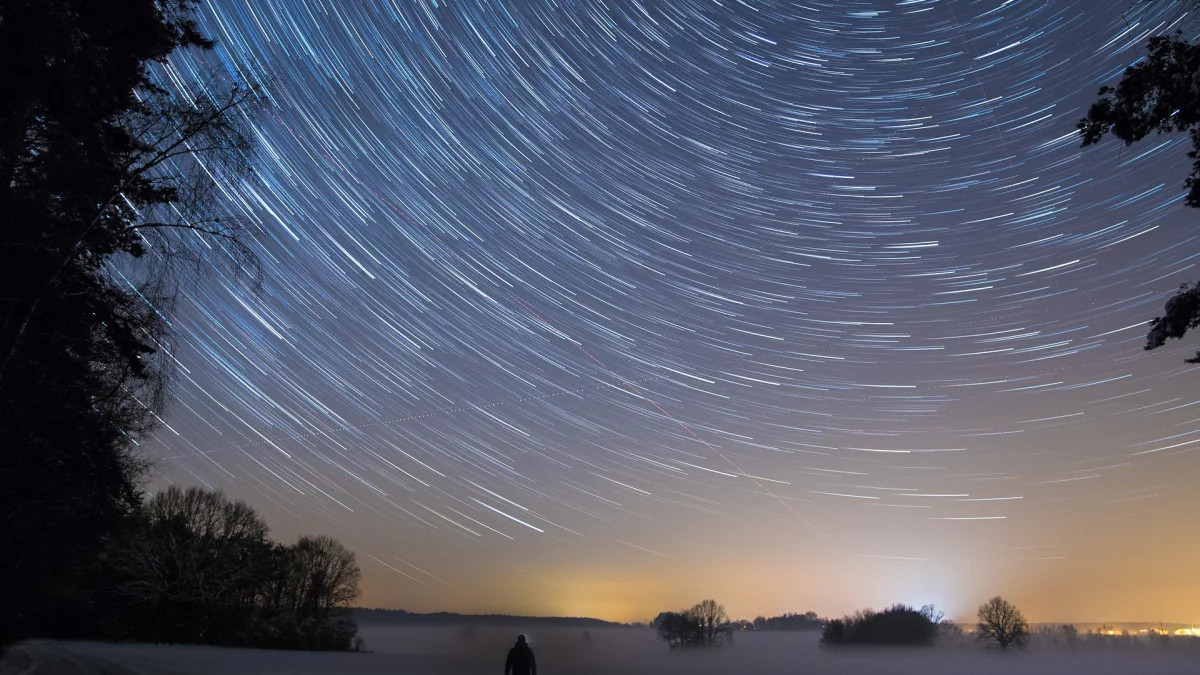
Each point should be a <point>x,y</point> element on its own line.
<point>455,651</point>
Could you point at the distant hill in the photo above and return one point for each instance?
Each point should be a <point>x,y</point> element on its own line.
<point>400,617</point>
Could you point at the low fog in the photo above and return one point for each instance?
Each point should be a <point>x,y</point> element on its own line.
<point>564,651</point>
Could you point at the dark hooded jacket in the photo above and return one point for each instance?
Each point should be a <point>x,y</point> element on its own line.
<point>520,660</point>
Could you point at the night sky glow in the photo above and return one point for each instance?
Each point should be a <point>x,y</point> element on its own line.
<point>605,307</point>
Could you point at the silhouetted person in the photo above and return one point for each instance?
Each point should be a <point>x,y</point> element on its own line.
<point>520,659</point>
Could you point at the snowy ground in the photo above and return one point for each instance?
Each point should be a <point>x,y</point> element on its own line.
<point>453,651</point>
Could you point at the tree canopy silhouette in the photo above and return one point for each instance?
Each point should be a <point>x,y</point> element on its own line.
<point>1159,94</point>
<point>897,625</point>
<point>196,566</point>
<point>1002,624</point>
<point>102,189</point>
<point>703,625</point>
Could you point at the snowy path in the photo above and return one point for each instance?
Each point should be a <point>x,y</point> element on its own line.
<point>46,657</point>
<point>36,658</point>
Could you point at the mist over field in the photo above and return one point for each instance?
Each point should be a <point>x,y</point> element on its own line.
<point>563,651</point>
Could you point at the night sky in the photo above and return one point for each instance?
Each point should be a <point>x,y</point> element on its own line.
<point>606,307</point>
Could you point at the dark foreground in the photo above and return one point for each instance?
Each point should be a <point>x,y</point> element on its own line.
<point>455,651</point>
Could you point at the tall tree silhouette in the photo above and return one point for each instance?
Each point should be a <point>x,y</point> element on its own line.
<point>100,173</point>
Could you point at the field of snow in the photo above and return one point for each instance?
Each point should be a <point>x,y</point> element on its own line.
<point>562,651</point>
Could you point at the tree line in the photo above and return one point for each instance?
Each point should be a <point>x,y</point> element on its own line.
<point>108,184</point>
<point>193,566</point>
<point>707,624</point>
<point>789,621</point>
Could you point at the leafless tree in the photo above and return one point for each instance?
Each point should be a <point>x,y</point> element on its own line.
<point>1002,624</point>
<point>166,200</point>
<point>945,627</point>
<point>206,514</point>
<point>196,566</point>
<point>675,628</point>
<point>322,576</point>
<point>711,620</point>
<point>192,557</point>
<point>703,625</point>
<point>196,547</point>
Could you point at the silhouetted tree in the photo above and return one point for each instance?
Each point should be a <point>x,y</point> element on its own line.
<point>932,613</point>
<point>322,581</point>
<point>1001,624</point>
<point>194,566</point>
<point>704,624</point>
<point>896,625</point>
<point>105,178</point>
<point>676,629</point>
<point>834,632</point>
<point>944,626</point>
<point>1159,94</point>
<point>711,619</point>
<point>190,570</point>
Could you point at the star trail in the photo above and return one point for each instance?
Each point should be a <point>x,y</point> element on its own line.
<point>603,307</point>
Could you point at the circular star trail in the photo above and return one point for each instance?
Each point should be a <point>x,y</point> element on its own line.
<point>598,290</point>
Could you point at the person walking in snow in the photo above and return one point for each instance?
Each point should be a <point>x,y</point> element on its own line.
<point>520,659</point>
